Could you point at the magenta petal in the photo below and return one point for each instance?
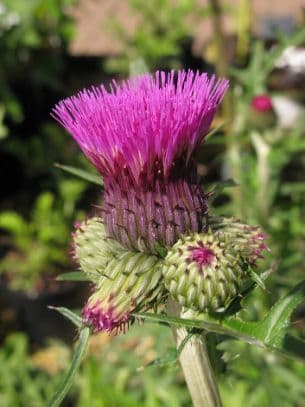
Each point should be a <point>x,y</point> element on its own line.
<point>144,124</point>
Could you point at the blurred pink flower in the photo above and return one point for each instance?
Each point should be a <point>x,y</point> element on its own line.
<point>261,103</point>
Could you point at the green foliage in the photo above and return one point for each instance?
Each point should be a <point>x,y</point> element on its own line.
<point>270,333</point>
<point>27,27</point>
<point>158,39</point>
<point>38,246</point>
<point>21,382</point>
<point>268,164</point>
<point>87,176</point>
<point>76,360</point>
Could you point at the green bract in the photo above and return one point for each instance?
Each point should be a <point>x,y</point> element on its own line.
<point>93,249</point>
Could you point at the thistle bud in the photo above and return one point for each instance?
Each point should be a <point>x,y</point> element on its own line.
<point>249,241</point>
<point>131,282</point>
<point>93,249</point>
<point>260,112</point>
<point>203,272</point>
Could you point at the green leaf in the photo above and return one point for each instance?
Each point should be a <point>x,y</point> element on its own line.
<point>87,176</point>
<point>73,276</point>
<point>270,333</point>
<point>273,327</point>
<point>219,187</point>
<point>76,361</point>
<point>257,279</point>
<point>240,332</point>
<point>74,318</point>
<point>216,129</point>
<point>172,356</point>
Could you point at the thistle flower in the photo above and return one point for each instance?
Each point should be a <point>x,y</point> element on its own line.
<point>260,113</point>
<point>143,136</point>
<point>131,282</point>
<point>206,271</point>
<point>124,281</point>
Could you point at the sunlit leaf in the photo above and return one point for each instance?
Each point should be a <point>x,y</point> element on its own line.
<point>87,176</point>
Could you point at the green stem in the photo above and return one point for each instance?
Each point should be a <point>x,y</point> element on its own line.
<point>197,369</point>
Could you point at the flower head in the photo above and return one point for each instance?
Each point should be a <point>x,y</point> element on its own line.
<point>145,128</point>
<point>142,136</point>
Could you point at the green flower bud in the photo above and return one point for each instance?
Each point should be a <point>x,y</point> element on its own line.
<point>132,282</point>
<point>247,240</point>
<point>93,249</point>
<point>203,272</point>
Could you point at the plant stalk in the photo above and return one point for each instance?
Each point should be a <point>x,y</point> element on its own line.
<point>196,366</point>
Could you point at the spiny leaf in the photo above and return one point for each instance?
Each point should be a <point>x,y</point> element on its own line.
<point>273,327</point>
<point>76,361</point>
<point>73,276</point>
<point>87,176</point>
<point>74,318</point>
<point>240,329</point>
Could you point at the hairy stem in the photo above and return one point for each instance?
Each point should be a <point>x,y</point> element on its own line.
<point>196,365</point>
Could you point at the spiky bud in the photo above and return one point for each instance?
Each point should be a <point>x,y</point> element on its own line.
<point>131,282</point>
<point>93,249</point>
<point>249,241</point>
<point>203,272</point>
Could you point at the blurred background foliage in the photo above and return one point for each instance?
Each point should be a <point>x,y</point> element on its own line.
<point>263,151</point>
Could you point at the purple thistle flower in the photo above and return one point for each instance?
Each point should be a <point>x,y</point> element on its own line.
<point>142,137</point>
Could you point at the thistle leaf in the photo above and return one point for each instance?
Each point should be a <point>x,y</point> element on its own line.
<point>73,276</point>
<point>74,318</point>
<point>76,361</point>
<point>87,176</point>
<point>270,333</point>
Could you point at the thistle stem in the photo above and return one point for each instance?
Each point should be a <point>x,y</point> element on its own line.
<point>196,366</point>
